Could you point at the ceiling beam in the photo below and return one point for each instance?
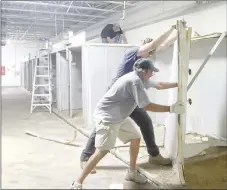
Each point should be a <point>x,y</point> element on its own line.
<point>51,12</point>
<point>35,23</point>
<point>44,19</point>
<point>25,32</point>
<point>118,3</point>
<point>61,5</point>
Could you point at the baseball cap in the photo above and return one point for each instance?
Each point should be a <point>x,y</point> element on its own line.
<point>145,64</point>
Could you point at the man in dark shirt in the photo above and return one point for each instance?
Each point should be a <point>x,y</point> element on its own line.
<point>112,33</point>
<point>139,115</point>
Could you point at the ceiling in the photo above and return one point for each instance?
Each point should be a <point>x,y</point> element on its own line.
<point>38,20</point>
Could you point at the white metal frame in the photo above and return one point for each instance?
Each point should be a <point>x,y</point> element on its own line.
<point>184,40</point>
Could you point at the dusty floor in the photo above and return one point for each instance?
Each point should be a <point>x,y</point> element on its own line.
<point>207,175</point>
<point>167,176</point>
<point>31,163</point>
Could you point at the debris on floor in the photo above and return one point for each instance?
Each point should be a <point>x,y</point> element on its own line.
<point>207,174</point>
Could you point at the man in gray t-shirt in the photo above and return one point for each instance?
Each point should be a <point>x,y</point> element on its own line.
<point>119,102</point>
<point>111,118</point>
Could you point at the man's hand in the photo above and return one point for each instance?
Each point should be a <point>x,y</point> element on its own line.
<point>177,108</point>
<point>174,26</point>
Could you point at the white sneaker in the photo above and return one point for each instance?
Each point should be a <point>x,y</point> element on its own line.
<point>76,186</point>
<point>136,177</point>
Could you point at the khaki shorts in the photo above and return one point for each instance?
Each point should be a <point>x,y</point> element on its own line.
<point>106,134</point>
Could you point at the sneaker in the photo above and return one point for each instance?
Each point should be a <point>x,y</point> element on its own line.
<point>82,165</point>
<point>160,160</point>
<point>76,186</point>
<point>135,177</point>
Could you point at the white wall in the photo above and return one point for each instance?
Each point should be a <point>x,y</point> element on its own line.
<point>153,17</point>
<point>210,19</point>
<point>12,55</point>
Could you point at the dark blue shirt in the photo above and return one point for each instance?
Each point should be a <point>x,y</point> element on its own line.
<point>126,66</point>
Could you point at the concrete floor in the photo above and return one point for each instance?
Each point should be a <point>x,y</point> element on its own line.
<point>32,163</point>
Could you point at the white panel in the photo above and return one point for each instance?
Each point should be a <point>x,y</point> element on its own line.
<point>64,82</point>
<point>100,63</point>
<point>58,96</point>
<point>208,93</point>
<point>171,121</point>
<point>76,86</point>
<point>163,62</point>
<point>53,78</point>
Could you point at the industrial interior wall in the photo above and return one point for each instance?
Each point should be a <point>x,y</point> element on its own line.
<point>12,56</point>
<point>153,17</point>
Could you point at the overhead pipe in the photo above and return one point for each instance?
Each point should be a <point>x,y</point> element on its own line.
<point>56,33</point>
<point>123,17</point>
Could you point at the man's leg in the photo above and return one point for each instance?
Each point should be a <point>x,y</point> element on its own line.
<point>88,151</point>
<point>117,39</point>
<point>129,133</point>
<point>143,120</point>
<point>92,162</point>
<point>106,135</point>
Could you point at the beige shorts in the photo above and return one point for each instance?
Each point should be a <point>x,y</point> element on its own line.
<point>106,134</point>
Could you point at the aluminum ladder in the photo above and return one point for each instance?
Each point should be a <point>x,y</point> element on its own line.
<point>41,91</point>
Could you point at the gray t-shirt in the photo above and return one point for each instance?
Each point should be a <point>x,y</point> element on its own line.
<point>122,98</point>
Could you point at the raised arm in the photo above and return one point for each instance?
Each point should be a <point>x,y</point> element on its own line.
<point>124,38</point>
<point>166,44</point>
<point>153,45</point>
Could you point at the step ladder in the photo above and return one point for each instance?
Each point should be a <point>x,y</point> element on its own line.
<point>41,91</point>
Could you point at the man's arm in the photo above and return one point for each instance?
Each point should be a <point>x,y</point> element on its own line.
<point>157,108</point>
<point>166,44</point>
<point>142,100</point>
<point>159,85</point>
<point>165,85</point>
<point>153,45</point>
<point>124,38</point>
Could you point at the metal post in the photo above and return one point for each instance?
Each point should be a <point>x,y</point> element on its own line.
<point>56,32</point>
<point>206,60</point>
<point>70,80</point>
<point>58,81</point>
<point>184,38</point>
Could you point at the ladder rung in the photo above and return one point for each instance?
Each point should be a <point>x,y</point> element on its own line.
<point>42,75</point>
<point>41,104</point>
<point>42,66</point>
<point>41,95</point>
<point>41,85</point>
